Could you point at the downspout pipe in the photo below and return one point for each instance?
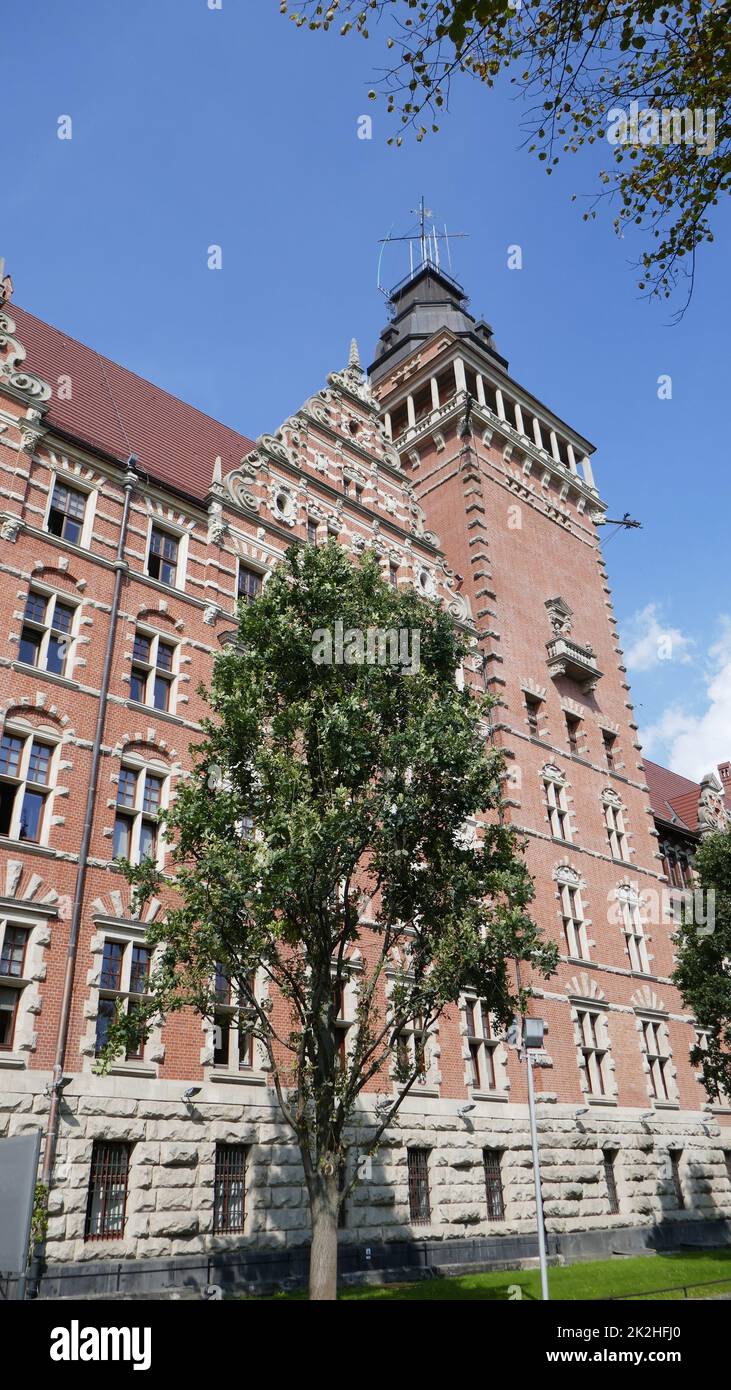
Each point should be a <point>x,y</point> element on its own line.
<point>121,567</point>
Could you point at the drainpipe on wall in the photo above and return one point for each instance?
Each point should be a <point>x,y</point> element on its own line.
<point>120,564</point>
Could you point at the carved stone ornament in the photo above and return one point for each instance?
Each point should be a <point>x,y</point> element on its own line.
<point>560,615</point>
<point>11,355</point>
<point>712,813</point>
<point>10,527</point>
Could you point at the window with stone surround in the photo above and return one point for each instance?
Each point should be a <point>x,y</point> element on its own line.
<point>594,1052</point>
<point>419,1196</point>
<point>415,1052</point>
<point>249,582</point>
<point>26,783</point>
<point>13,951</point>
<point>573,726</point>
<point>66,512</point>
<point>141,795</point>
<point>609,742</point>
<point>677,865</point>
<point>48,632</point>
<point>123,984</point>
<point>573,918</point>
<point>533,712</point>
<point>610,1179</point>
<point>154,670</point>
<point>233,1046</point>
<point>674,1159</point>
<point>485,1074</point>
<point>658,1058</point>
<point>554,790</point>
<point>106,1207</point>
<point>492,1165</point>
<point>634,930</point>
<point>615,825</point>
<point>229,1189</point>
<point>162,556</point>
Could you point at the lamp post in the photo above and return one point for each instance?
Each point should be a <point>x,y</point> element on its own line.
<point>533,1033</point>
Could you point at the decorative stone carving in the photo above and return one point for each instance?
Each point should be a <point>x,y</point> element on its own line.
<point>10,527</point>
<point>11,355</point>
<point>712,813</point>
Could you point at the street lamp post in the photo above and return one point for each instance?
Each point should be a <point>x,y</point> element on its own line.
<point>533,1033</point>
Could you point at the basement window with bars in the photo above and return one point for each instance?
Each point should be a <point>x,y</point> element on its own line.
<point>492,1163</point>
<point>123,984</point>
<point>25,786</point>
<point>13,950</point>
<point>610,1178</point>
<point>152,679</point>
<point>594,1052</point>
<point>482,1045</point>
<point>229,1189</point>
<point>66,513</point>
<point>47,634</point>
<point>419,1200</point>
<point>656,1047</point>
<point>106,1207</point>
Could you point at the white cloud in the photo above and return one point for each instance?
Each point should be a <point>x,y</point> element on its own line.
<point>693,744</point>
<point>650,641</point>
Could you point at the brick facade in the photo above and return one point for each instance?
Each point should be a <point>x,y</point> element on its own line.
<point>473,491</point>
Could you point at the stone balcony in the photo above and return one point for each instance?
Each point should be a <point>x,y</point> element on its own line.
<point>567,658</point>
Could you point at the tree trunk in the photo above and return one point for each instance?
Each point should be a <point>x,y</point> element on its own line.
<point>324,1252</point>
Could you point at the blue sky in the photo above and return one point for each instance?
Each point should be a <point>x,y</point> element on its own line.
<point>194,127</point>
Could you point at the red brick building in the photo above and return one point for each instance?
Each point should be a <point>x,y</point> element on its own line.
<point>118,582</point>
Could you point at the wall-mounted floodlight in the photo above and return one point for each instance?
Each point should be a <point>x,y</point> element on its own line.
<point>581,1110</point>
<point>189,1094</point>
<point>464,1110</point>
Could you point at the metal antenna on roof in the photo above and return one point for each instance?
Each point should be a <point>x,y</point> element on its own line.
<point>427,241</point>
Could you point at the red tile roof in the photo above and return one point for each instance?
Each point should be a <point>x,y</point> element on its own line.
<point>174,442</point>
<point>672,797</point>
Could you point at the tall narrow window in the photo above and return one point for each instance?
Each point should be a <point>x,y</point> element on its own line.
<point>25,776</point>
<point>635,933</point>
<point>558,809</point>
<point>616,830</point>
<point>574,926</point>
<point>657,1053</point>
<point>675,1156</point>
<point>12,967</point>
<point>249,584</point>
<point>311,531</point>
<point>162,558</point>
<point>492,1162</point>
<point>609,741</point>
<point>610,1158</point>
<point>233,1037</point>
<point>572,732</point>
<point>419,1201</point>
<point>532,712</point>
<point>107,1201</point>
<point>594,1052</point>
<point>12,956</point>
<point>123,982</point>
<point>482,1045</point>
<point>140,794</point>
<point>66,513</point>
<point>47,633</point>
<point>393,575</point>
<point>229,1191</point>
<point>152,679</point>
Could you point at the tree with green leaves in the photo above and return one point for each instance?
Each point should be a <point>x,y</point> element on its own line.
<point>703,971</point>
<point>326,790</point>
<point>580,68</point>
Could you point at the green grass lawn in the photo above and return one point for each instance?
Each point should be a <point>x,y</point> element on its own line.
<point>643,1275</point>
<point>595,1279</point>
